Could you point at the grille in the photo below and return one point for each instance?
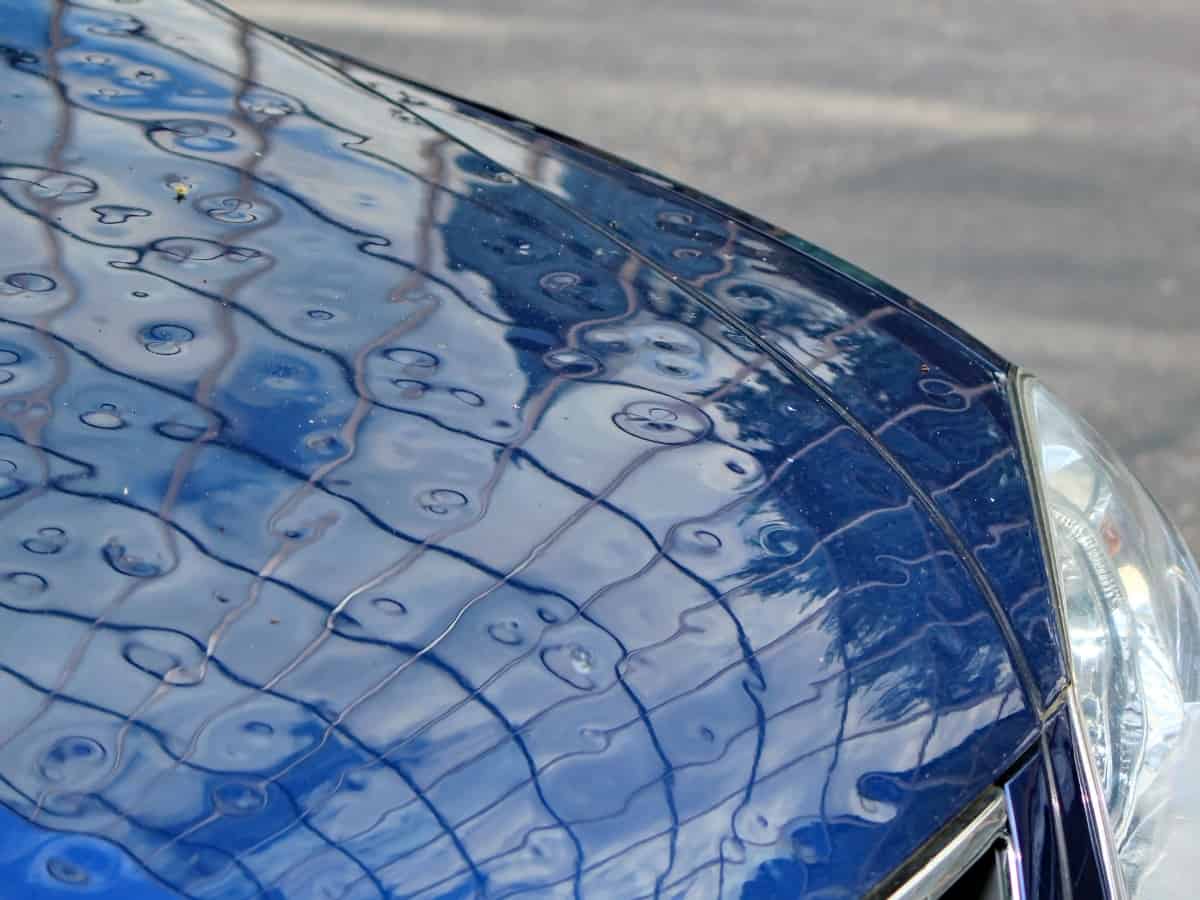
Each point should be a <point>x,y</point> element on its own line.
<point>986,879</point>
<point>975,863</point>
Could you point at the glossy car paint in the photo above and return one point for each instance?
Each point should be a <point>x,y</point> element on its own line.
<point>37,863</point>
<point>1080,837</point>
<point>931,397</point>
<point>1034,831</point>
<point>401,501</point>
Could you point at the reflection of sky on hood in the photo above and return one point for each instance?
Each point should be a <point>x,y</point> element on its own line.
<point>376,523</point>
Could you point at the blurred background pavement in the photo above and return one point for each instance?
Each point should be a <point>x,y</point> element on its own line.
<point>1029,169</point>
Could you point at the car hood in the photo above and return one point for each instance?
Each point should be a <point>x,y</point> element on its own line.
<point>400,500</point>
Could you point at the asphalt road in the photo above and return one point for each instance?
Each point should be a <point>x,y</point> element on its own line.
<point>1030,169</point>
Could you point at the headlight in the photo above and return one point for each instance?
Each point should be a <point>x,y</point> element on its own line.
<point>1131,602</point>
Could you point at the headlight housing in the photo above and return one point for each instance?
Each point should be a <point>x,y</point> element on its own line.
<point>1130,597</point>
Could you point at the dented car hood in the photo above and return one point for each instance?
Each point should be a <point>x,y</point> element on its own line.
<point>400,500</point>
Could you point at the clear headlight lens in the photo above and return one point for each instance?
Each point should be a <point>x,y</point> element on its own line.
<point>1131,595</point>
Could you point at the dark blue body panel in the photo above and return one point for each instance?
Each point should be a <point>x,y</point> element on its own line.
<point>39,864</point>
<point>1034,831</point>
<point>1080,830</point>
<point>398,503</point>
<point>933,397</point>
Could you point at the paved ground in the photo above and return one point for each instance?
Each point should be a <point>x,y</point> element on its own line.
<point>1030,169</point>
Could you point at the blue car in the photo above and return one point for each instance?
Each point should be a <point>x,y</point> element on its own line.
<point>403,501</point>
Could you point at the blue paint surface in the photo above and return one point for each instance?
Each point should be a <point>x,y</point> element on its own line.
<point>931,395</point>
<point>1080,830</point>
<point>1033,832</point>
<point>44,865</point>
<point>399,503</point>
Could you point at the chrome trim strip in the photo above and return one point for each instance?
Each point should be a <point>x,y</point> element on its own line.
<point>962,851</point>
<point>1093,800</point>
<point>1012,887</point>
<point>1013,860</point>
<point>1060,838</point>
